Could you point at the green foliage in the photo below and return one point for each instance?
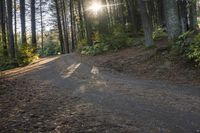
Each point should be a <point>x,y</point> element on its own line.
<point>194,50</point>
<point>135,41</point>
<point>159,33</point>
<point>188,44</point>
<point>81,45</point>
<point>26,54</point>
<point>96,49</point>
<point>50,48</point>
<point>183,42</point>
<point>115,41</point>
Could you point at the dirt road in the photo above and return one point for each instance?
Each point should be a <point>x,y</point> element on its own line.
<point>68,95</point>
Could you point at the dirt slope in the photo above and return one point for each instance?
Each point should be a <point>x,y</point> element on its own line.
<point>156,63</point>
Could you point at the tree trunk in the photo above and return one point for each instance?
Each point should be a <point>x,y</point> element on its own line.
<point>10,29</point>
<point>72,24</point>
<point>81,20</point>
<point>59,27</point>
<point>23,22</point>
<point>172,18</point>
<point>33,24</point>
<point>147,23</point>
<point>65,29</point>
<point>41,24</point>
<point>88,25</point>
<point>193,14</point>
<point>15,18</point>
<point>3,27</point>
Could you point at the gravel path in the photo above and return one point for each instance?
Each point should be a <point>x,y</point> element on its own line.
<point>76,97</point>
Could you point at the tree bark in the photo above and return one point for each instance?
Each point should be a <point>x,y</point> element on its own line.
<point>3,27</point>
<point>193,14</point>
<point>23,22</point>
<point>72,25</point>
<point>41,24</point>
<point>59,27</point>
<point>33,24</point>
<point>147,23</point>
<point>172,18</point>
<point>10,29</point>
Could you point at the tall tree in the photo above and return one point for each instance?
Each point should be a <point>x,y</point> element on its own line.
<point>23,21</point>
<point>147,23</point>
<point>15,19</point>
<point>65,27</point>
<point>33,24</point>
<point>80,20</point>
<point>193,14</point>
<point>172,18</point>
<point>88,24</point>
<point>59,26</point>
<point>3,27</point>
<point>72,24</point>
<point>10,28</point>
<point>182,8</point>
<point>41,25</point>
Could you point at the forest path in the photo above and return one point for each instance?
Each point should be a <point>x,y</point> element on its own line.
<point>132,105</point>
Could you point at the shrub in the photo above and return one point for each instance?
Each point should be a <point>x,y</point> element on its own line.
<point>50,48</point>
<point>96,49</point>
<point>26,54</point>
<point>188,44</point>
<point>81,44</point>
<point>115,41</point>
<point>194,50</point>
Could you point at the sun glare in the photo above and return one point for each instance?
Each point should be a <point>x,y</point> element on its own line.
<point>95,7</point>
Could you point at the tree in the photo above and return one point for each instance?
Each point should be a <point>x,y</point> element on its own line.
<point>23,21</point>
<point>193,14</point>
<point>15,19</point>
<point>41,24</point>
<point>65,27</point>
<point>59,26</point>
<point>147,23</point>
<point>72,24</point>
<point>88,24</point>
<point>172,18</point>
<point>33,24</point>
<point>3,27</point>
<point>10,29</point>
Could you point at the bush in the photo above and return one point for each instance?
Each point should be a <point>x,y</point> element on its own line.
<point>96,49</point>
<point>194,50</point>
<point>188,44</point>
<point>117,40</point>
<point>81,45</point>
<point>26,54</point>
<point>50,48</point>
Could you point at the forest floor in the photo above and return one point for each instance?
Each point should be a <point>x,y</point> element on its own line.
<point>158,63</point>
<point>76,94</point>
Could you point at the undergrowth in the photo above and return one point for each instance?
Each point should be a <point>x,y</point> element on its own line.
<point>188,45</point>
<point>24,55</point>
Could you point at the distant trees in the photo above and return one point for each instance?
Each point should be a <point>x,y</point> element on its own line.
<point>73,21</point>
